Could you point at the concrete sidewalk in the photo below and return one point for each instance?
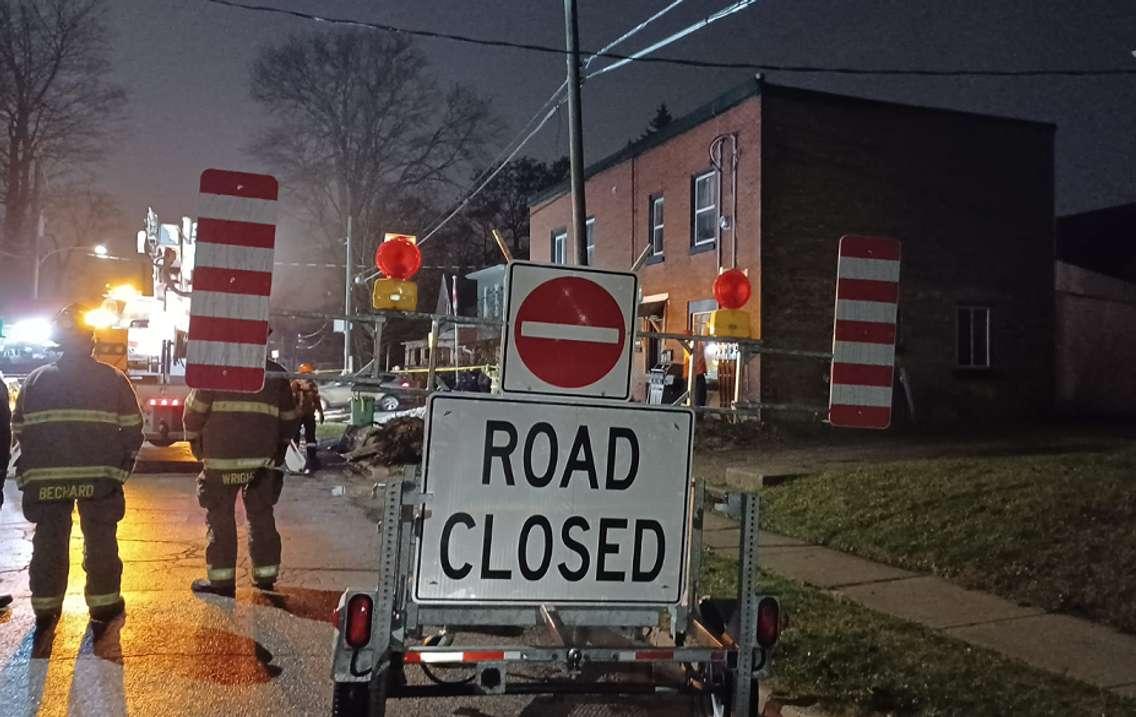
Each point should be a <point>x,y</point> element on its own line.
<point>1064,645</point>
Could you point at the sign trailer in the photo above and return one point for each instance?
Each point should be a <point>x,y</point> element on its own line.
<point>558,503</point>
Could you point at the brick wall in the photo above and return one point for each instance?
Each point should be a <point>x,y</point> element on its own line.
<point>972,200</point>
<point>619,198</point>
<point>1096,343</point>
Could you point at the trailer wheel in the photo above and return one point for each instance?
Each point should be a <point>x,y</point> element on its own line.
<point>162,442</point>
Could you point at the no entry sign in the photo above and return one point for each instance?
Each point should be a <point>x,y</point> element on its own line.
<point>569,331</point>
<point>232,280</point>
<point>544,501</point>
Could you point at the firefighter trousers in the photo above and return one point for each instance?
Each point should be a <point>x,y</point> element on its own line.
<point>217,494</point>
<point>50,564</point>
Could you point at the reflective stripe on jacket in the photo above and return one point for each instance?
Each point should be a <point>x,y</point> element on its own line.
<point>76,420</point>
<point>241,431</point>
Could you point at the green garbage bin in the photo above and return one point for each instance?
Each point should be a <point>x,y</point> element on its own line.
<point>362,410</point>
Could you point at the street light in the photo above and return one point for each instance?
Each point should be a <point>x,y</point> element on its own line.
<point>99,250</point>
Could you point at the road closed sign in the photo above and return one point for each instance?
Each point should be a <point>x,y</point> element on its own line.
<point>569,331</point>
<point>553,502</point>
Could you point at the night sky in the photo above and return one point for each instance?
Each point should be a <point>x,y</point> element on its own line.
<point>185,65</point>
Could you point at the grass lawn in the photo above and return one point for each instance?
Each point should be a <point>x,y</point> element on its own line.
<point>1057,531</point>
<point>849,659</point>
<point>330,429</point>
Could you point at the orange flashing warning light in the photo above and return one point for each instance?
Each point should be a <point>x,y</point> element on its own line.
<point>732,290</point>
<point>399,259</point>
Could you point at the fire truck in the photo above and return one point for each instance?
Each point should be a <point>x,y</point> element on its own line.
<point>144,333</point>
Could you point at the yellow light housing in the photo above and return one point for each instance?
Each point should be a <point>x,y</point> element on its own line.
<point>394,294</point>
<point>733,323</point>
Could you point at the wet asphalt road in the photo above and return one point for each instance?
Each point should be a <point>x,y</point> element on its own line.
<point>178,654</point>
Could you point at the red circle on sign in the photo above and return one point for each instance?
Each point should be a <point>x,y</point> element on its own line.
<point>570,332</point>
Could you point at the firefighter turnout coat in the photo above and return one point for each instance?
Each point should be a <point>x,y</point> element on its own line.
<point>241,432</point>
<point>78,424</point>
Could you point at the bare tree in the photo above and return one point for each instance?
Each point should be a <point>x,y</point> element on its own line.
<point>56,106</point>
<point>504,204</point>
<point>81,216</point>
<point>361,128</point>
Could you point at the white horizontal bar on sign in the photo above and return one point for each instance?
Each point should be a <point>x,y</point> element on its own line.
<point>847,395</point>
<point>236,209</point>
<point>228,256</point>
<point>223,353</point>
<point>854,267</point>
<point>569,332</point>
<point>862,353</point>
<point>221,305</point>
<point>879,311</point>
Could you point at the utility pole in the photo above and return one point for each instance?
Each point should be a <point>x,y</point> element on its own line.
<point>575,131</point>
<point>349,282</point>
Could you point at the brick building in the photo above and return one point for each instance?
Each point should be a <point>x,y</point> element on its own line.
<point>970,196</point>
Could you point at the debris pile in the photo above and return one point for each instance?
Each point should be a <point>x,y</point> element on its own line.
<point>395,442</point>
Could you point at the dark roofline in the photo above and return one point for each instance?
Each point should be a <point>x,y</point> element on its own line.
<point>713,108</point>
<point>735,96</point>
<point>787,90</point>
<point>1101,211</point>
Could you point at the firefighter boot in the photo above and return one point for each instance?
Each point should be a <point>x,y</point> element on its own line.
<point>107,613</point>
<point>201,585</point>
<point>313,459</point>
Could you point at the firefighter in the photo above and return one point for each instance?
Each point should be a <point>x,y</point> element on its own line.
<point>241,439</point>
<point>5,454</point>
<point>79,428</point>
<point>307,397</point>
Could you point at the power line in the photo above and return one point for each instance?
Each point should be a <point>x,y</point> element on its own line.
<point>761,67</point>
<point>546,112</point>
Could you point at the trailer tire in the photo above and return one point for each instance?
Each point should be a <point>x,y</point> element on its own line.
<point>162,442</point>
<point>351,699</point>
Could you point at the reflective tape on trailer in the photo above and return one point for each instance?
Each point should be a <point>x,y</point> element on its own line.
<point>229,309</point>
<point>428,655</point>
<point>863,341</point>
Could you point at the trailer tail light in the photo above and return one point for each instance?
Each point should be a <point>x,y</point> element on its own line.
<point>165,402</point>
<point>153,402</point>
<point>357,631</point>
<point>768,622</point>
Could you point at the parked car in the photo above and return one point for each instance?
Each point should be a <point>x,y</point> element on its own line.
<point>338,394</point>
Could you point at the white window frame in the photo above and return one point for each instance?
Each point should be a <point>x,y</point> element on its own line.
<point>559,246</point>
<point>658,210</point>
<point>973,313</point>
<point>710,176</point>
<point>590,240</point>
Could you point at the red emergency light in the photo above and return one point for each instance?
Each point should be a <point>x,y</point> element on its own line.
<point>398,258</point>
<point>732,289</point>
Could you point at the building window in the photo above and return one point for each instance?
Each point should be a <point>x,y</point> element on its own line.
<point>590,240</point>
<point>699,312</point>
<point>973,337</point>
<point>559,253</point>
<point>656,226</point>
<point>705,204</point>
